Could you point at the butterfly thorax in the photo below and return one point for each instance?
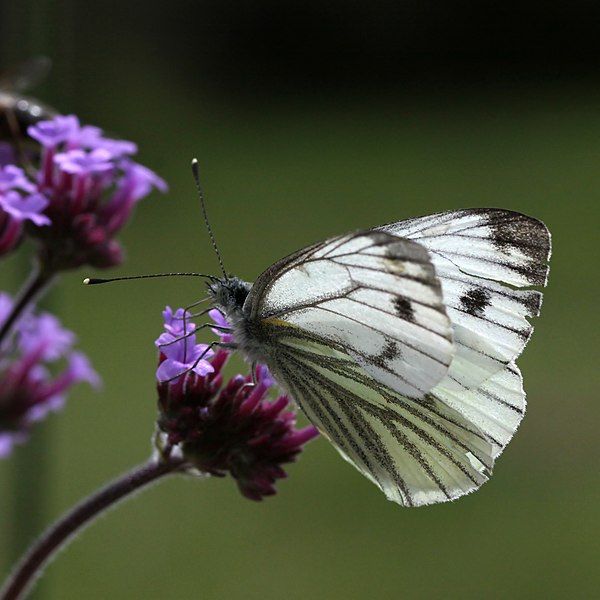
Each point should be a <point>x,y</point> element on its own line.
<point>229,296</point>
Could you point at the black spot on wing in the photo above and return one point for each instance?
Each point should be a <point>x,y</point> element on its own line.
<point>404,309</point>
<point>532,301</point>
<point>389,352</point>
<point>475,301</point>
<point>528,235</point>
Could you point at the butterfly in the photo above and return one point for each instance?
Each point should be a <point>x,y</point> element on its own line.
<point>399,342</point>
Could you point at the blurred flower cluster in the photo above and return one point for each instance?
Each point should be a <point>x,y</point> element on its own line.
<point>33,382</point>
<point>218,427</point>
<point>77,199</point>
<point>71,193</point>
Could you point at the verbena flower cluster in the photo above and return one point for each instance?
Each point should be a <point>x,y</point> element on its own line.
<point>219,427</point>
<point>72,196</point>
<point>37,367</point>
<point>77,199</point>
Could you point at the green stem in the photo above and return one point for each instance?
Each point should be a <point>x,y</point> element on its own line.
<point>64,530</point>
<point>31,482</point>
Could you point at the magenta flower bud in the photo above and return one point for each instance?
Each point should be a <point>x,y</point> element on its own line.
<point>223,428</point>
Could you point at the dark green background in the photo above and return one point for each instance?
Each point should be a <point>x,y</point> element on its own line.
<point>286,162</point>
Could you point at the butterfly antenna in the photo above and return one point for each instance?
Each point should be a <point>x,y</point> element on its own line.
<point>196,173</point>
<point>96,281</point>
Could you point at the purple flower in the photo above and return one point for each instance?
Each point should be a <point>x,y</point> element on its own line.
<point>14,210</point>
<point>93,138</point>
<point>6,304</point>
<point>81,162</point>
<point>23,208</point>
<point>55,131</point>
<point>92,187</point>
<point>10,439</point>
<point>31,385</point>
<point>221,321</point>
<point>13,178</point>
<point>45,336</point>
<point>179,351</point>
<point>232,428</point>
<point>143,180</point>
<point>137,183</point>
<point>88,136</point>
<point>174,322</point>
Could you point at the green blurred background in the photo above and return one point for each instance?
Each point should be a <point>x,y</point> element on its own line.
<point>312,119</point>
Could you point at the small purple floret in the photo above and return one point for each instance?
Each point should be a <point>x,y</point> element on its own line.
<point>80,162</point>
<point>14,178</point>
<point>93,138</point>
<point>56,131</point>
<point>46,336</point>
<point>179,351</point>
<point>23,208</point>
<point>221,321</point>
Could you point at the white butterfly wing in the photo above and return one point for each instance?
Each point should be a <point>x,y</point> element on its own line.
<point>476,252</point>
<point>495,408</point>
<point>372,293</point>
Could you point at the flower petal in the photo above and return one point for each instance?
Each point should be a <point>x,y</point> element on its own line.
<point>25,208</point>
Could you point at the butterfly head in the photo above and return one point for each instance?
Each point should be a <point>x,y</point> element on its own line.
<point>229,294</point>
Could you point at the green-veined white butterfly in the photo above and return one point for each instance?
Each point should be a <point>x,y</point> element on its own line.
<point>399,343</point>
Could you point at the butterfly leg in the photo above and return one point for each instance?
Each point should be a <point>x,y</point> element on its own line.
<point>185,315</point>
<point>196,362</point>
<point>251,384</point>
<point>196,330</point>
<point>190,316</point>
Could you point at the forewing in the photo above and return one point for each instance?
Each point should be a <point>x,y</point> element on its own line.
<point>371,293</point>
<point>480,255</point>
<point>418,451</point>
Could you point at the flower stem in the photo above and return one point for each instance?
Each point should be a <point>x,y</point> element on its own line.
<point>37,283</point>
<point>61,533</point>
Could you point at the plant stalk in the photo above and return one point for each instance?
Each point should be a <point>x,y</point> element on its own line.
<point>34,287</point>
<point>62,532</point>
